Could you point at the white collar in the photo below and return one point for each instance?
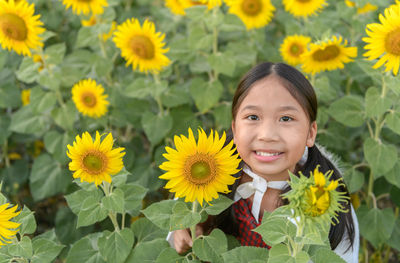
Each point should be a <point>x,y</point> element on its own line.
<point>257,187</point>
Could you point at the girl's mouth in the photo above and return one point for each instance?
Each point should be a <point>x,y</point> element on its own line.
<point>267,153</point>
<point>267,156</point>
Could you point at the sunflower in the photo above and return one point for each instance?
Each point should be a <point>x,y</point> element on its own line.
<point>362,10</point>
<point>25,96</point>
<point>86,6</point>
<point>94,161</point>
<point>253,13</point>
<point>383,40</point>
<point>175,6</point>
<point>89,98</point>
<point>110,33</point>
<point>19,28</point>
<point>303,8</point>
<point>7,228</point>
<point>327,55</point>
<point>292,48</point>
<point>141,46</point>
<point>199,171</point>
<point>90,22</point>
<point>39,59</point>
<point>210,3</point>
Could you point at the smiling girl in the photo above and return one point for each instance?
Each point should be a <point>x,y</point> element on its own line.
<point>274,127</point>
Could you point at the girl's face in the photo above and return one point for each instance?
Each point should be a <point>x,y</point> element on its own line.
<point>271,130</point>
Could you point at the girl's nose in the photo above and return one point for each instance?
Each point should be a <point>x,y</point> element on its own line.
<point>268,131</point>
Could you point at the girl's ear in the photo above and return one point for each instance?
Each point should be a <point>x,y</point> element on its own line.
<point>233,130</point>
<point>312,134</point>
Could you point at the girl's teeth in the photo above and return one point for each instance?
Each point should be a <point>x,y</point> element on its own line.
<point>266,154</point>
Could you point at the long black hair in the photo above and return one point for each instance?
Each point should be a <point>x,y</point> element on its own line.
<point>301,89</point>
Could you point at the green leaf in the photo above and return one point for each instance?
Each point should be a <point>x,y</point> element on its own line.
<point>222,115</point>
<point>199,39</point>
<point>86,37</point>
<point>174,96</point>
<point>275,230</point>
<point>47,178</point>
<point>324,90</point>
<point>219,205</point>
<point>64,116</point>
<point>323,255</point>
<point>169,255</point>
<point>23,248</point>
<point>147,251</point>
<point>26,121</point>
<point>45,251</point>
<point>42,102</point>
<point>133,196</point>
<point>393,175</point>
<point>28,70</point>
<point>392,120</point>
<point>245,255</point>
<point>380,156</point>
<point>205,95</point>
<point>376,225</point>
<point>394,240</point>
<point>279,253</point>
<point>56,144</point>
<point>182,217</point>
<point>375,104</point>
<point>75,200</point>
<point>5,122</point>
<point>209,248</point>
<point>354,179</point>
<point>139,88</point>
<point>348,110</point>
<point>91,212</point>
<point>115,201</point>
<point>55,53</point>
<point>116,246</point>
<point>156,126</point>
<point>85,250</point>
<point>120,178</point>
<point>160,213</point>
<point>10,95</point>
<point>222,63</point>
<point>145,230</point>
<point>27,221</point>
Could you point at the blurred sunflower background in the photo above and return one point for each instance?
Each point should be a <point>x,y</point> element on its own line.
<point>98,74</point>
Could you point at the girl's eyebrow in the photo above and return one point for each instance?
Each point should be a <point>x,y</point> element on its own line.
<point>287,108</point>
<point>250,107</point>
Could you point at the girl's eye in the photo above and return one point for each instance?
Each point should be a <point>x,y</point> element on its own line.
<point>286,118</point>
<point>252,117</point>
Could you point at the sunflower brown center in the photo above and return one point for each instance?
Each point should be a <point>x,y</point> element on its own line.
<point>328,53</point>
<point>296,50</point>
<point>251,7</point>
<point>200,169</point>
<point>392,42</point>
<point>94,162</point>
<point>142,46</point>
<point>13,27</point>
<point>303,1</point>
<point>89,99</point>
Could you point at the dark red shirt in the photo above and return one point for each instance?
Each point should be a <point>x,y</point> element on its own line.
<point>247,222</point>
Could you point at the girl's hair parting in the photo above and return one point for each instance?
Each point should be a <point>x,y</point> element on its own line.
<point>301,89</point>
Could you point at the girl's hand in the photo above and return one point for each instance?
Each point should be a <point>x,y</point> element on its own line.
<point>182,239</point>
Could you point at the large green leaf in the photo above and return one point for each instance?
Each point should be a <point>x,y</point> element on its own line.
<point>26,121</point>
<point>114,202</point>
<point>392,120</point>
<point>147,252</point>
<point>210,248</point>
<point>375,104</point>
<point>245,254</point>
<point>376,225</point>
<point>381,157</point>
<point>205,94</point>
<point>145,230</point>
<point>91,212</point>
<point>394,240</point>
<point>160,213</point>
<point>218,205</point>
<point>22,248</point>
<point>75,200</point>
<point>56,144</point>
<point>85,250</point>
<point>45,251</point>
<point>133,196</point>
<point>27,221</point>
<point>47,178</point>
<point>348,110</point>
<point>156,126</point>
<point>182,217</point>
<point>116,246</point>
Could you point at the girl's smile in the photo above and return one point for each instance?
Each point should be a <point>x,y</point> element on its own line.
<point>271,129</point>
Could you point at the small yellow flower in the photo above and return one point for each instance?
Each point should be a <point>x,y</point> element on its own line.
<point>8,229</point>
<point>26,96</point>
<point>38,146</point>
<point>19,27</point>
<point>94,161</point>
<point>89,98</point>
<point>39,59</point>
<point>293,47</point>
<point>198,171</point>
<point>14,156</point>
<point>90,22</point>
<point>368,7</point>
<point>111,32</point>
<point>141,46</point>
<point>350,3</point>
<point>253,13</point>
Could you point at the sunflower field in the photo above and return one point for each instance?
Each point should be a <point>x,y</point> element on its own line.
<point>93,94</point>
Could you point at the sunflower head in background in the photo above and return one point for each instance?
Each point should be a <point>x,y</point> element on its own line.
<point>327,55</point>
<point>303,8</point>
<point>89,98</point>
<point>383,41</point>
<point>19,27</point>
<point>96,7</point>
<point>8,229</point>
<point>253,13</point>
<point>200,170</point>
<point>293,47</point>
<point>141,46</point>
<point>94,161</point>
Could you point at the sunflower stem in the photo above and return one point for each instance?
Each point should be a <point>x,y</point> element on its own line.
<point>5,152</point>
<point>157,97</point>
<point>193,228</point>
<point>102,48</point>
<point>107,188</point>
<point>370,187</point>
